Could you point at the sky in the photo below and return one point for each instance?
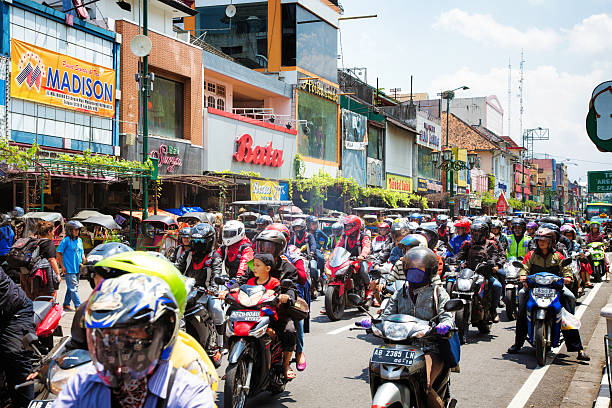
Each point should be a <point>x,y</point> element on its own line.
<point>446,44</point>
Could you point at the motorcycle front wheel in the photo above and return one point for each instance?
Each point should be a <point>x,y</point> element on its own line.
<point>597,273</point>
<point>510,305</point>
<point>540,342</point>
<point>235,389</point>
<point>334,303</point>
<point>462,319</point>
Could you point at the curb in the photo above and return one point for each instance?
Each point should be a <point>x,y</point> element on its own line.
<point>603,397</point>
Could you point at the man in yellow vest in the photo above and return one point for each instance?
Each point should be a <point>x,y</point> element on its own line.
<point>518,242</point>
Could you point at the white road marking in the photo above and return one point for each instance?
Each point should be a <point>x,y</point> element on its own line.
<point>523,395</point>
<point>341,329</point>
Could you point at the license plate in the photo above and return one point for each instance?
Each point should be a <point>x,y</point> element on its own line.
<point>40,403</point>
<point>544,292</point>
<point>245,315</point>
<point>393,356</point>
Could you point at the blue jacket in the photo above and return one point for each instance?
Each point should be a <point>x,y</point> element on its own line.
<point>321,239</point>
<point>7,236</point>
<point>456,242</point>
<point>396,254</point>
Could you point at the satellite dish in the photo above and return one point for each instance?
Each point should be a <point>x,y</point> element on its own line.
<point>141,45</point>
<point>230,11</point>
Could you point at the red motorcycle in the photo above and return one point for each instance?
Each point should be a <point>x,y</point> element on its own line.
<point>256,356</point>
<point>47,315</point>
<point>343,289</point>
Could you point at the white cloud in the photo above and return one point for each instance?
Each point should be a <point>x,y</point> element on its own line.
<point>552,99</point>
<point>484,28</point>
<point>592,34</point>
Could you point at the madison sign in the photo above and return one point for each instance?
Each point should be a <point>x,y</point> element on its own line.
<point>260,155</point>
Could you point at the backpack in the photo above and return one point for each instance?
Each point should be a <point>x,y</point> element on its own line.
<point>20,254</point>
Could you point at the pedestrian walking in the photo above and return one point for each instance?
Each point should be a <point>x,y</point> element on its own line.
<point>7,236</point>
<point>70,254</point>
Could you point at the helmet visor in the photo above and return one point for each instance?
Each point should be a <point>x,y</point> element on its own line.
<point>229,233</point>
<point>265,247</point>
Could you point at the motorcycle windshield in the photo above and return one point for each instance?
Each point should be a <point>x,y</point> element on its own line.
<point>338,257</point>
<point>73,358</point>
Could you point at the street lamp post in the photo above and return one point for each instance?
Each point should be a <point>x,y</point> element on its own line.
<point>448,163</point>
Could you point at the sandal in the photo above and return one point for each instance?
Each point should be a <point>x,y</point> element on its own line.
<point>588,285</point>
<point>290,374</point>
<point>300,366</point>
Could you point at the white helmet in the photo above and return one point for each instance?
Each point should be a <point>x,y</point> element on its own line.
<point>233,231</point>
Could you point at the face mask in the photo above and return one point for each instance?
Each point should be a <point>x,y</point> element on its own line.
<point>415,275</point>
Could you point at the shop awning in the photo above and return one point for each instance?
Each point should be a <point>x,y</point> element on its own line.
<point>202,181</point>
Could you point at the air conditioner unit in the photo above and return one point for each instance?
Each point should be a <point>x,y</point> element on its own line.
<point>130,139</point>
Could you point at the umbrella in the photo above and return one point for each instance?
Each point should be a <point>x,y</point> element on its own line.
<point>291,209</point>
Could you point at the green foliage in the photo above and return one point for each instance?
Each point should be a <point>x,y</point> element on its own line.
<point>491,182</point>
<point>298,166</point>
<point>225,173</point>
<point>95,160</point>
<point>15,156</point>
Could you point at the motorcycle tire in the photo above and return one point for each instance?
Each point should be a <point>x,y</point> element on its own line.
<point>334,303</point>
<point>234,394</point>
<point>510,305</point>
<point>463,323</point>
<point>540,342</point>
<point>484,327</point>
<point>596,277</point>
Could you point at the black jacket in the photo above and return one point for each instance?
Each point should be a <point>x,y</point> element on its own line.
<point>204,272</point>
<point>474,254</point>
<point>12,298</point>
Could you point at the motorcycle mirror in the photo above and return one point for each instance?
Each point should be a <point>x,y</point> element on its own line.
<point>220,280</point>
<point>517,264</point>
<point>286,283</point>
<point>566,262</point>
<point>454,305</point>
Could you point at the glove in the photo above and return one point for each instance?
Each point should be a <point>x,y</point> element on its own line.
<point>366,323</point>
<point>442,328</point>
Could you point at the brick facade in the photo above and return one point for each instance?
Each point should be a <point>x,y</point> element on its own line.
<point>463,135</point>
<point>170,59</point>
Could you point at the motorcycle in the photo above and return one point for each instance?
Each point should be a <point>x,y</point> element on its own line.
<point>256,356</point>
<point>47,315</point>
<point>450,277</point>
<point>513,287</point>
<point>597,255</point>
<point>473,287</point>
<point>342,288</point>
<point>576,283</point>
<point>397,370</point>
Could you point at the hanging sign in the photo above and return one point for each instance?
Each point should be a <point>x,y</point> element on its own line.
<point>44,76</point>
<point>502,204</point>
<point>599,118</point>
<point>168,156</point>
<point>265,190</point>
<point>316,87</point>
<point>264,156</point>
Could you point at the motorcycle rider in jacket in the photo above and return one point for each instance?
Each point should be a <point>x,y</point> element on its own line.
<point>462,234</point>
<point>545,259</point>
<point>236,250</point>
<point>570,233</point>
<point>321,240</point>
<point>359,245</point>
<point>480,249</point>
<point>382,244</point>
<point>182,254</point>
<point>496,230</point>
<point>444,233</point>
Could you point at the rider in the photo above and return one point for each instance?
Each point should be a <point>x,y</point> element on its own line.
<point>132,324</point>
<point>398,231</point>
<point>7,236</point>
<point>382,244</point>
<point>358,244</point>
<point>462,230</point>
<point>430,232</point>
<point>545,259</point>
<point>518,241</point>
<point>337,230</point>
<point>444,233</point>
<point>182,254</point>
<point>416,217</point>
<point>479,249</point>
<point>236,250</point>
<point>532,227</point>
<point>418,299</point>
<point>594,234</point>
<point>570,233</point>
<point>321,239</point>
<point>496,230</point>
<point>406,244</point>
<point>262,222</point>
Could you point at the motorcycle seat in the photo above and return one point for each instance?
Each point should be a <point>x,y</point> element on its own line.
<point>41,308</point>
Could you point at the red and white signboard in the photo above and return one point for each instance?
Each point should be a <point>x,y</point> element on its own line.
<point>502,204</point>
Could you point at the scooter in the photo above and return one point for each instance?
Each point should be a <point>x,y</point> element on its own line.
<point>576,283</point>
<point>47,315</point>
<point>513,287</point>
<point>597,256</point>
<point>342,290</point>
<point>473,287</point>
<point>397,370</point>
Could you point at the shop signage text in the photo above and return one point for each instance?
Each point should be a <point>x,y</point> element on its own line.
<point>428,131</point>
<point>428,135</point>
<point>428,186</point>
<point>265,190</point>
<point>44,76</point>
<point>167,156</point>
<point>319,88</point>
<point>399,183</point>
<point>264,156</point>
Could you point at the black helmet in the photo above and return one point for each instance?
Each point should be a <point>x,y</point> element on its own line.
<point>270,242</point>
<point>552,220</point>
<point>520,223</point>
<point>423,259</point>
<point>202,238</point>
<point>263,221</point>
<point>479,232</point>
<point>486,219</point>
<point>100,252</point>
<point>311,219</point>
<point>430,231</point>
<point>399,229</point>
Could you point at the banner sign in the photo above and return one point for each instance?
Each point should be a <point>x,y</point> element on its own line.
<point>44,76</point>
<point>168,156</point>
<point>502,204</point>
<point>600,181</point>
<point>428,131</point>
<point>400,184</point>
<point>265,190</point>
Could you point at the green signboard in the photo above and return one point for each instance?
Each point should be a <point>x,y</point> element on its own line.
<point>599,118</point>
<point>600,181</point>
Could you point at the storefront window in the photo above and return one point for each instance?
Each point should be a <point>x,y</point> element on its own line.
<point>376,138</point>
<point>317,139</point>
<point>166,109</point>
<point>426,168</point>
<point>243,37</point>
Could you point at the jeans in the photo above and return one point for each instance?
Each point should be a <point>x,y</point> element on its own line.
<point>320,261</point>
<point>496,288</point>
<point>72,290</point>
<point>15,361</point>
<point>299,329</point>
<point>314,272</point>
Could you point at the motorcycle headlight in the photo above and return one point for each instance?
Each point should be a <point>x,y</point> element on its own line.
<point>58,378</point>
<point>249,301</point>
<point>395,331</point>
<point>544,280</point>
<point>464,285</point>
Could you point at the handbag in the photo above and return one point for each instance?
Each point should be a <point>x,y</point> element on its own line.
<point>450,348</point>
<point>299,310</point>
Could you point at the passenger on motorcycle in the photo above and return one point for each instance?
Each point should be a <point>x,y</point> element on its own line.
<point>306,243</point>
<point>496,230</point>
<point>545,259</point>
<point>420,266</point>
<point>406,244</point>
<point>532,227</point>
<point>443,231</point>
<point>480,249</point>
<point>462,234</point>
<point>398,231</point>
<point>236,250</point>
<point>430,232</point>
<point>358,244</point>
<point>416,217</point>
<point>585,271</point>
<point>321,239</point>
<point>132,325</point>
<point>262,222</point>
<point>594,234</point>
<point>337,230</point>
<point>183,252</point>
<point>382,244</point>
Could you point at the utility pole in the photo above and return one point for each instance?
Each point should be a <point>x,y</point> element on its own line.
<point>144,88</point>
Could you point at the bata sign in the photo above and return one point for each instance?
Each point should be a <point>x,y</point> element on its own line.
<point>264,156</point>
<point>168,156</point>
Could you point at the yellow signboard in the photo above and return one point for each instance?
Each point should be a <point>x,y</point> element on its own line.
<point>265,190</point>
<point>461,175</point>
<point>399,183</point>
<point>44,76</point>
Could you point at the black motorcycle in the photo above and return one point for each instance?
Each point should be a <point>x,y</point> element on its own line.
<point>473,287</point>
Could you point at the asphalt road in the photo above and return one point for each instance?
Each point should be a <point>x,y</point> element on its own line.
<point>337,361</point>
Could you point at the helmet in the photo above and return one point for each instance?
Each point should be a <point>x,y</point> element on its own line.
<point>337,229</point>
<point>263,221</point>
<point>383,228</point>
<point>5,219</point>
<point>413,240</point>
<point>479,232</point>
<point>552,220</point>
<point>132,322</point>
<point>442,219</point>
<point>412,226</point>
<point>298,224</point>
<point>185,232</point>
<point>73,224</point>
<point>233,232</point>
<point>145,263</point>
<point>594,223</point>
<point>388,221</point>
<point>463,223</point>
<point>18,212</point>
<point>352,225</point>
<point>532,225</point>
<point>519,223</point>
<point>568,228</point>
<point>203,238</point>
<point>545,233</point>
<point>311,219</point>
<point>100,252</point>
<point>271,242</point>
<point>497,224</point>
<point>282,228</point>
<point>399,229</point>
<point>420,265</point>
<point>416,216</point>
<point>430,231</point>
<point>486,219</point>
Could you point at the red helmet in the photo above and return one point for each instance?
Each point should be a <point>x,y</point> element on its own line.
<point>463,223</point>
<point>384,225</point>
<point>352,225</point>
<point>277,226</point>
